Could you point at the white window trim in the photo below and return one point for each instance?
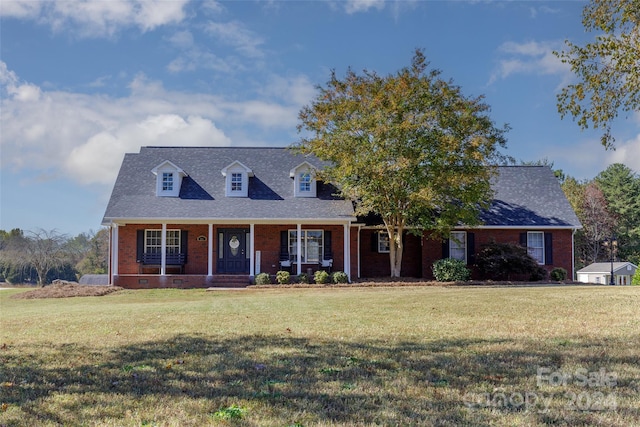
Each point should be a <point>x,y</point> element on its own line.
<point>178,174</point>
<point>237,168</point>
<point>159,246</point>
<point>297,173</point>
<point>388,246</point>
<point>303,240</point>
<point>453,244</point>
<point>529,233</point>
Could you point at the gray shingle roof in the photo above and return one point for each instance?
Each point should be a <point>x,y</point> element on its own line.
<point>525,196</point>
<point>605,267</point>
<point>202,195</point>
<point>529,196</point>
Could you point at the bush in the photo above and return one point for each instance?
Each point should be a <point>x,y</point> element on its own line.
<point>303,278</point>
<point>263,279</point>
<point>321,277</point>
<point>558,274</point>
<point>500,261</point>
<point>450,270</point>
<point>283,277</point>
<point>636,278</point>
<point>340,277</point>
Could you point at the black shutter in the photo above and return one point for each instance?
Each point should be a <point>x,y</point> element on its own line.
<point>523,239</point>
<point>284,244</point>
<point>328,253</point>
<point>183,243</point>
<point>445,248</point>
<point>374,241</point>
<point>139,245</point>
<point>471,248</point>
<point>548,248</point>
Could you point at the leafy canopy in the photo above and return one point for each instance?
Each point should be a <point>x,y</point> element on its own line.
<point>409,147</point>
<point>607,68</point>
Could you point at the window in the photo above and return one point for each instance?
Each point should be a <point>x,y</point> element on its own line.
<point>305,182</point>
<point>458,245</point>
<point>153,241</point>
<point>236,181</point>
<point>535,245</point>
<point>312,245</point>
<point>167,181</point>
<point>384,245</point>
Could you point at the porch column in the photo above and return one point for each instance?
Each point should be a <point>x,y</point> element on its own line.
<point>347,251</point>
<point>299,248</point>
<point>114,251</point>
<point>163,251</point>
<point>210,251</point>
<point>252,262</point>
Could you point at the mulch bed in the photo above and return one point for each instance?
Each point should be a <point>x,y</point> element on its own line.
<point>64,289</point>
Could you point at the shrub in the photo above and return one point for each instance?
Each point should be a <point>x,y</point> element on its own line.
<point>558,274</point>
<point>263,279</point>
<point>321,277</point>
<point>499,261</point>
<point>283,277</point>
<point>303,278</point>
<point>340,277</point>
<point>636,278</point>
<point>450,270</point>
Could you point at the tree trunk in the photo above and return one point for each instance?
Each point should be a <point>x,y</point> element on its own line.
<point>395,249</point>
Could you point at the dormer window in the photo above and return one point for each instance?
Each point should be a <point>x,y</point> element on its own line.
<point>237,179</point>
<point>169,179</point>
<point>304,180</point>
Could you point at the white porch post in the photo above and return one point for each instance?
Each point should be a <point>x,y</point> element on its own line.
<point>299,248</point>
<point>114,251</point>
<point>210,251</point>
<point>347,251</point>
<point>252,263</point>
<point>163,249</point>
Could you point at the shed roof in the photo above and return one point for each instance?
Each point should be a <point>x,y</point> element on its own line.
<point>626,268</point>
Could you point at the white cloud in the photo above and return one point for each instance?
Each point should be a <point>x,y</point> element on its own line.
<point>95,162</point>
<point>84,136</point>
<point>529,58</point>
<point>587,158</point>
<point>355,6</point>
<point>96,18</point>
<point>235,34</point>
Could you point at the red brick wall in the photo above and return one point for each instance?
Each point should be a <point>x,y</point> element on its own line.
<point>374,264</point>
<point>432,248</point>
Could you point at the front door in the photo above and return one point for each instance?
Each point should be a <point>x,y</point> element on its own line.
<point>233,254</point>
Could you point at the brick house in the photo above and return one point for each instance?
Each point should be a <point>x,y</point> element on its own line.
<point>208,216</point>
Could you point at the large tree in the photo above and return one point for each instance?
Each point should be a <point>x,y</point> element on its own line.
<point>408,146</point>
<point>621,188</point>
<point>607,68</point>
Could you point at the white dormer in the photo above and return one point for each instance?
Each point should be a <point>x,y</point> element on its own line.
<point>304,180</point>
<point>168,179</point>
<point>237,182</point>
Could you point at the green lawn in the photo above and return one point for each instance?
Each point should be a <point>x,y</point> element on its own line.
<point>346,356</point>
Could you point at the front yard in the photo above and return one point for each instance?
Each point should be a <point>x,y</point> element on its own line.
<point>339,356</point>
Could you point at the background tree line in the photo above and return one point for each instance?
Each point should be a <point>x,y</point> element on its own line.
<point>42,256</point>
<point>608,207</point>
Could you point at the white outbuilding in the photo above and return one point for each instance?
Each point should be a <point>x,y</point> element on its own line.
<point>600,272</point>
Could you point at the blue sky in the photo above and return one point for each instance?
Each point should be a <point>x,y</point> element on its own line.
<point>83,82</point>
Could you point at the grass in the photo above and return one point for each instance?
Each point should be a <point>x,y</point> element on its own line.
<point>320,357</point>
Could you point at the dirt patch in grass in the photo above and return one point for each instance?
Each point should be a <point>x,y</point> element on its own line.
<point>64,289</point>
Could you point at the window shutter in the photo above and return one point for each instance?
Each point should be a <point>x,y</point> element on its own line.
<point>445,248</point>
<point>471,248</point>
<point>523,239</point>
<point>183,243</point>
<point>548,248</point>
<point>328,253</point>
<point>284,244</point>
<point>139,245</point>
<point>374,241</point>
